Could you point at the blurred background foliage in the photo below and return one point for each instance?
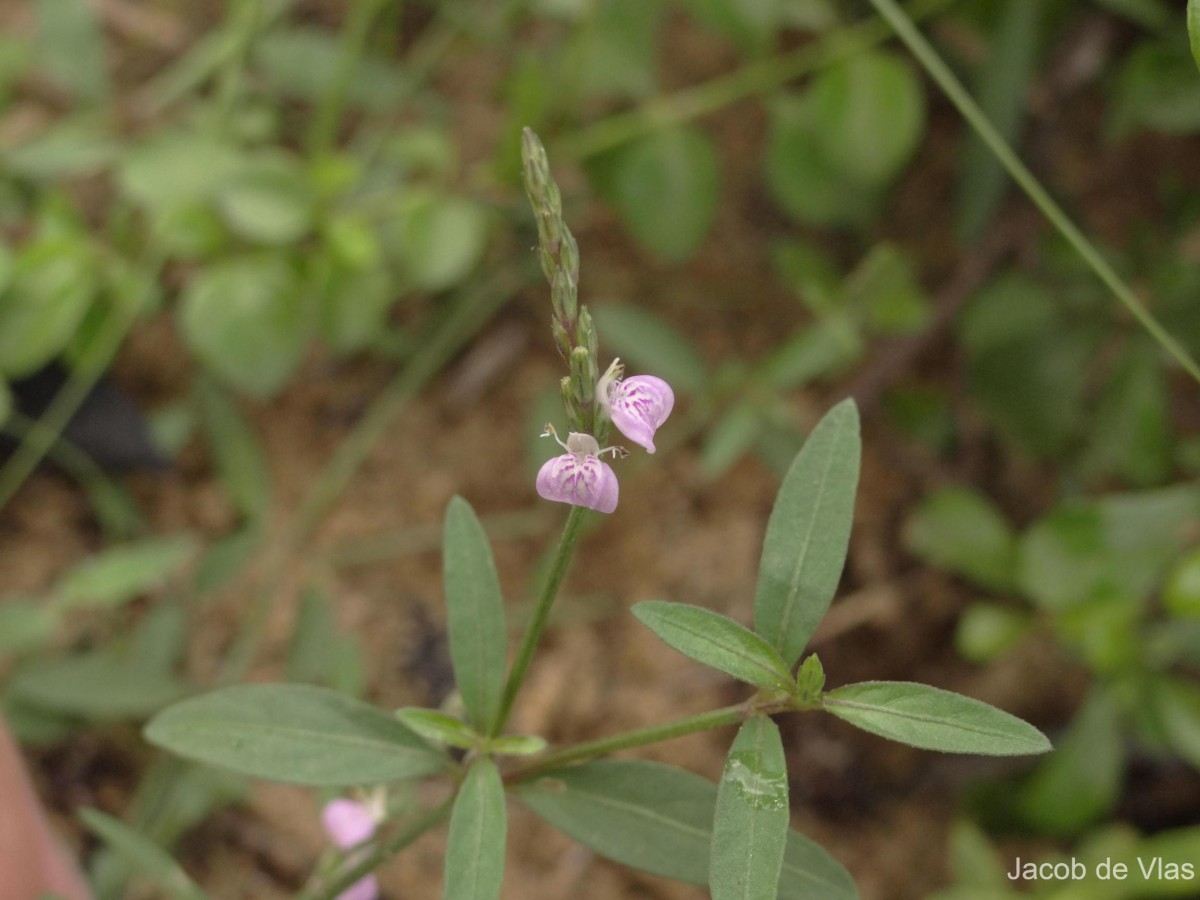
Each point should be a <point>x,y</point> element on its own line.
<point>279,178</point>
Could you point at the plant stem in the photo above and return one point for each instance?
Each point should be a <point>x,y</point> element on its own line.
<point>350,49</point>
<point>978,120</point>
<point>472,311</point>
<point>541,614</point>
<point>379,854</point>
<point>753,79</point>
<point>717,718</point>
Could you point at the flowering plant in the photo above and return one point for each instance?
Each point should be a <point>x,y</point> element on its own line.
<point>733,836</point>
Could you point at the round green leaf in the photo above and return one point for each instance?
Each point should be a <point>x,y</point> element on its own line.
<point>960,530</point>
<point>248,322</point>
<point>52,288</point>
<point>664,187</point>
<point>268,201</point>
<point>869,112</point>
<point>175,169</point>
<point>441,240</point>
<point>297,734</point>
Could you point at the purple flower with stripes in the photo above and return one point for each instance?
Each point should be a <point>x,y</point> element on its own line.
<point>579,477</point>
<point>637,406</point>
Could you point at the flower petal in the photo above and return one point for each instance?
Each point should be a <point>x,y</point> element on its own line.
<point>363,889</point>
<point>580,481</point>
<point>347,823</point>
<point>639,405</point>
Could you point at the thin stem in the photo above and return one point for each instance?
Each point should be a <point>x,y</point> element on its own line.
<point>751,80</point>
<point>350,50</point>
<point>379,854</point>
<point>467,317</point>
<point>245,22</point>
<point>978,120</point>
<point>541,614</point>
<point>92,364</point>
<point>717,718</point>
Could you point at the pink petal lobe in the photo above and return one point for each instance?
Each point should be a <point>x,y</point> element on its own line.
<point>580,481</point>
<point>639,405</point>
<point>347,823</point>
<point>365,889</point>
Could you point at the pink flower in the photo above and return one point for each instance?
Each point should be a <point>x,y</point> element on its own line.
<point>579,476</point>
<point>348,824</point>
<point>637,406</point>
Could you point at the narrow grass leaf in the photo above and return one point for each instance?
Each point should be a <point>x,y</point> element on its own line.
<point>236,451</point>
<point>808,533</point>
<point>475,614</point>
<point>122,573</point>
<point>478,829</point>
<point>658,818</point>
<point>292,733</point>
<point>1193,27</point>
<point>148,858</point>
<point>750,828</point>
<point>716,641</point>
<point>933,719</point>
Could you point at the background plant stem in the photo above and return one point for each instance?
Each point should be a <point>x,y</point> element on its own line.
<point>978,120</point>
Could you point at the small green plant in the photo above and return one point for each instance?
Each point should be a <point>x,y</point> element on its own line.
<point>732,836</point>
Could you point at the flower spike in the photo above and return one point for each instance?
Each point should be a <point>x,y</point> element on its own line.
<point>637,406</point>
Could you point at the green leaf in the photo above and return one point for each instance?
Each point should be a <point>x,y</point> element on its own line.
<point>730,437</point>
<point>714,640</point>
<point>961,530</point>
<point>1193,27</point>
<point>236,451</point>
<point>750,24</point>
<point>176,169</point>
<point>478,828</point>
<point>296,734</point>
<point>1176,704</point>
<point>442,239</point>
<point>98,686</point>
<point>870,113</point>
<point>268,201</point>
<point>247,321</point>
<point>986,630</point>
<point>25,625</point>
<point>434,725</point>
<point>933,719</point>
<point>664,187</point>
<point>148,858</point>
<point>658,818</point>
<point>808,534</point>
<point>750,827</point>
<point>807,184</point>
<point>884,292</point>
<point>517,744</point>
<point>475,614</point>
<point>1003,93</point>
<point>1081,780</point>
<point>651,345</point>
<point>303,61</point>
<point>1181,593</point>
<point>51,291</point>
<point>120,574</point>
<point>71,47</point>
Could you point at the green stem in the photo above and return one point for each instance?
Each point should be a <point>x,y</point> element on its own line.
<point>541,614</point>
<point>379,854</point>
<point>978,120</point>
<point>465,319</point>
<point>245,22</point>
<point>350,50</point>
<point>91,366</point>
<point>751,80</point>
<point>717,718</point>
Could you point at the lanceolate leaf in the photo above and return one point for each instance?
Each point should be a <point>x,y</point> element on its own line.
<point>750,829</point>
<point>716,641</point>
<point>934,719</point>
<point>807,535</point>
<point>475,613</point>
<point>147,857</point>
<point>298,734</point>
<point>478,825</point>
<point>659,819</point>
